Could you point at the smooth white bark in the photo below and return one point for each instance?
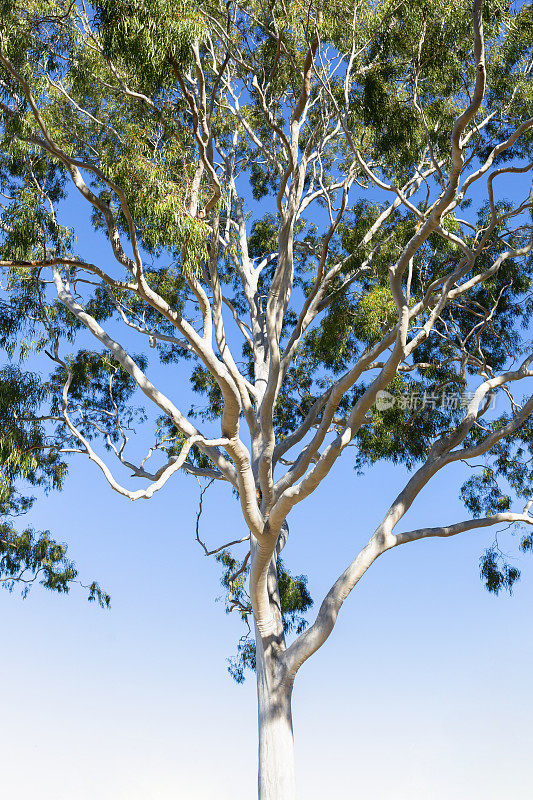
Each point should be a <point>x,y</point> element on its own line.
<point>276,779</point>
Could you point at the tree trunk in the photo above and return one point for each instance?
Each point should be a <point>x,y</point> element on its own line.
<point>276,744</point>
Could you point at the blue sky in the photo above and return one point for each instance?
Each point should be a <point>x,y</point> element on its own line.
<point>423,691</point>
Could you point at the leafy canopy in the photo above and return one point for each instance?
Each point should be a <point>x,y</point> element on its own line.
<point>304,207</point>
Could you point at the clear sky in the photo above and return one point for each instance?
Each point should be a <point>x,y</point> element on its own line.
<point>423,692</point>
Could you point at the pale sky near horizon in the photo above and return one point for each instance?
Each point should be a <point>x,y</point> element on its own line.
<point>423,692</point>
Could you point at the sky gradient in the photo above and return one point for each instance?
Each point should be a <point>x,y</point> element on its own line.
<point>423,691</point>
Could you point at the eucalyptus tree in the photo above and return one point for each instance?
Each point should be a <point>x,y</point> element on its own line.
<point>320,214</point>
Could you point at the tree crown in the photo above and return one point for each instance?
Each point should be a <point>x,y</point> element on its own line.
<point>305,214</point>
